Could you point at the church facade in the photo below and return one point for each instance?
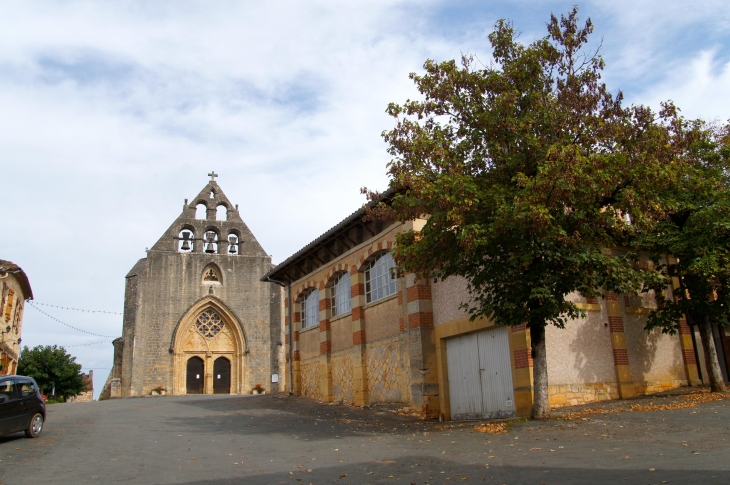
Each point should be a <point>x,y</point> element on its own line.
<point>197,320</point>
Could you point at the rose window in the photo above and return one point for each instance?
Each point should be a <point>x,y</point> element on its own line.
<point>209,324</point>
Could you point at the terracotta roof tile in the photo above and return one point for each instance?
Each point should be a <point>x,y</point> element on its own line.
<point>17,271</point>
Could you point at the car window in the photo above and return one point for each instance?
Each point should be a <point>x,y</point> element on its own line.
<point>7,390</point>
<point>27,389</point>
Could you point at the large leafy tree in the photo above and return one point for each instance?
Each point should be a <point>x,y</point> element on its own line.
<point>695,232</point>
<point>526,170</point>
<point>52,366</point>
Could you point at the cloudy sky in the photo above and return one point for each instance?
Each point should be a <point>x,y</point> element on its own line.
<point>112,113</point>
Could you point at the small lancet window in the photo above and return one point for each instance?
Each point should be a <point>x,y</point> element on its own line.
<point>211,242</point>
<point>211,276</point>
<point>212,194</point>
<point>186,241</point>
<point>232,244</point>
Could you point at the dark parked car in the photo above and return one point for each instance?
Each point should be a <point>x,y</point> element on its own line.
<point>21,406</point>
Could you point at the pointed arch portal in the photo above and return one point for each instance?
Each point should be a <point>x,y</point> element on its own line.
<point>209,351</point>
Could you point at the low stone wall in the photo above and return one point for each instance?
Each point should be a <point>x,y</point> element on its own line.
<point>652,387</point>
<point>574,394</point>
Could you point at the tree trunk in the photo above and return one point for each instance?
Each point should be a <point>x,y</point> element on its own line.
<point>540,402</point>
<point>711,362</point>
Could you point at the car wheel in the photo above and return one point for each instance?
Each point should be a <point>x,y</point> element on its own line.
<point>35,427</point>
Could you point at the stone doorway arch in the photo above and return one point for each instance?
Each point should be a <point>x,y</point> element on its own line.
<point>210,332</point>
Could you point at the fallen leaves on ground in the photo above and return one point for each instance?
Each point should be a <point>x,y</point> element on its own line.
<point>588,412</point>
<point>691,401</point>
<point>687,401</point>
<point>491,428</point>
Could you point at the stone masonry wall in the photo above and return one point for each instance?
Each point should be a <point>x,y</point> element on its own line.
<point>162,287</point>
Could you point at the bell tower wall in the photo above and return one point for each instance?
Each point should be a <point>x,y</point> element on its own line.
<point>195,259</point>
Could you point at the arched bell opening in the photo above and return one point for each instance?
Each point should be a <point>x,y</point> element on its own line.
<point>222,376</point>
<point>195,376</point>
<point>211,333</point>
<point>201,211</point>
<point>210,241</point>
<point>186,240</point>
<point>221,212</point>
<point>234,242</point>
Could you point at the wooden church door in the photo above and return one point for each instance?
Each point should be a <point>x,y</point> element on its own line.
<point>222,376</point>
<point>195,374</point>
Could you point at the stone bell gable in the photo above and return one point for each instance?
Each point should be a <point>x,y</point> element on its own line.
<point>188,234</point>
<point>195,309</point>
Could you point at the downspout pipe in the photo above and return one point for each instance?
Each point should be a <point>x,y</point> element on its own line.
<point>289,306</point>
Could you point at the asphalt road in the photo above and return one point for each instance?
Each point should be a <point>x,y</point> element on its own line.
<point>267,439</point>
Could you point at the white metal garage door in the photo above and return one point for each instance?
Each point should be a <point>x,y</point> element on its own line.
<point>480,375</point>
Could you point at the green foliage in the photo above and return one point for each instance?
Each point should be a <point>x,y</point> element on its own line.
<point>695,232</point>
<point>52,365</point>
<point>526,169</point>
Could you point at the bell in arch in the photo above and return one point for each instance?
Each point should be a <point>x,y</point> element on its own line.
<point>210,240</point>
<point>186,241</point>
<point>232,244</point>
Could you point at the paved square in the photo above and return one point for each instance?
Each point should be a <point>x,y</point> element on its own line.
<point>270,439</point>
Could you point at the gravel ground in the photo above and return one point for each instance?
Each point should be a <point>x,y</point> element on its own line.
<point>279,439</point>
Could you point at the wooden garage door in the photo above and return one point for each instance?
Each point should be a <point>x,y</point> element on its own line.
<point>480,375</point>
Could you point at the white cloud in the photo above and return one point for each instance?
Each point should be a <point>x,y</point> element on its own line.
<point>698,87</point>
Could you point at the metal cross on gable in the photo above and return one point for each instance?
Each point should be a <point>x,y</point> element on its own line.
<point>212,176</point>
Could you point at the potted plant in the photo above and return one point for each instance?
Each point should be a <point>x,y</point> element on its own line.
<point>159,391</point>
<point>258,389</point>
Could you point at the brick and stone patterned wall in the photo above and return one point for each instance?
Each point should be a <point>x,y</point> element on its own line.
<point>369,355</point>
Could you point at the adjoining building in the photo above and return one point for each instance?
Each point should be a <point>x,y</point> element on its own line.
<point>87,395</point>
<point>15,289</point>
<point>197,320</point>
<point>361,335</point>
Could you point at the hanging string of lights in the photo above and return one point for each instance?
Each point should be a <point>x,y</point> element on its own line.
<point>66,324</point>
<point>92,343</point>
<point>145,313</point>
<point>77,309</point>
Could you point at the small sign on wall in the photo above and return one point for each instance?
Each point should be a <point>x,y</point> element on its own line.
<point>274,377</point>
